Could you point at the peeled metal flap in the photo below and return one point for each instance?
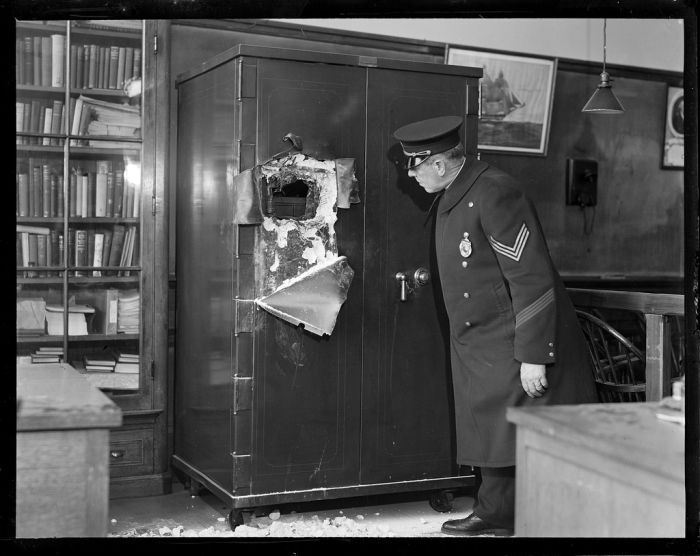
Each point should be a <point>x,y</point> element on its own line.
<point>348,188</point>
<point>246,199</point>
<point>313,298</point>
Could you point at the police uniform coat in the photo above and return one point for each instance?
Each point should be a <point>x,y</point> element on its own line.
<point>506,304</point>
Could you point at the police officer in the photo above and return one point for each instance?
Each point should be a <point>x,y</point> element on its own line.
<point>514,335</point>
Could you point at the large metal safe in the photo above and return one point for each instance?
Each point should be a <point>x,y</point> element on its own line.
<point>264,411</point>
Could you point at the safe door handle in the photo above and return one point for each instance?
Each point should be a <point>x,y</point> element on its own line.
<point>410,282</point>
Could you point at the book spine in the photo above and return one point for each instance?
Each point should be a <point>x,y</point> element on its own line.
<point>113,66</point>
<point>90,249</point>
<point>84,195</point>
<point>78,67</point>
<point>37,61</point>
<point>48,118</point>
<point>46,57</point>
<point>80,250</point>
<point>71,247</point>
<point>77,112</point>
<point>28,61</point>
<point>121,67</point>
<point>117,245</point>
<point>19,61</point>
<point>33,253</point>
<point>41,252</point>
<point>118,190</point>
<point>86,65</point>
<point>56,114</point>
<point>92,67</point>
<point>73,195</point>
<point>38,195</point>
<point>60,196</point>
<point>97,257</point>
<point>110,194</point>
<point>104,71</point>
<point>78,194</point>
<point>34,119</point>
<point>54,194</point>
<point>74,66</point>
<point>25,248</point>
<point>91,193</point>
<point>55,248</point>
<point>101,194</point>
<point>46,191</point>
<point>136,71</point>
<point>128,62</point>
<point>23,183</point>
<point>58,46</point>
<point>61,249</point>
<point>107,247</point>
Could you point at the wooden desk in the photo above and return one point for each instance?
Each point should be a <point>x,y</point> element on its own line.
<point>62,453</point>
<point>598,470</point>
<point>657,308</point>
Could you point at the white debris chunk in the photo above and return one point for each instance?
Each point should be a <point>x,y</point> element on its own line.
<point>220,519</point>
<point>274,515</point>
<point>359,516</point>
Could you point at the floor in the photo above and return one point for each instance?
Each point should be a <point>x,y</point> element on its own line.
<point>183,514</point>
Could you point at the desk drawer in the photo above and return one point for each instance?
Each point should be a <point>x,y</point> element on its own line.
<point>130,452</point>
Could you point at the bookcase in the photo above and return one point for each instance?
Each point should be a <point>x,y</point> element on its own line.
<point>88,225</point>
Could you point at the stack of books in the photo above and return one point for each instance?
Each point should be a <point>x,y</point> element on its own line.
<point>48,354</point>
<point>128,312</point>
<point>77,322</point>
<point>127,363</point>
<point>99,363</point>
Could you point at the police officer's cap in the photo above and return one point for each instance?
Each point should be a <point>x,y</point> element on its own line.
<point>419,140</point>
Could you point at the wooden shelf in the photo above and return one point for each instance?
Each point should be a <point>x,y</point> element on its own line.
<point>89,338</point>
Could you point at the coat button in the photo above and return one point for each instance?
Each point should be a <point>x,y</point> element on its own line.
<point>551,354</point>
<point>467,324</point>
<point>464,264</point>
<point>471,204</point>
<point>466,295</point>
<point>551,344</point>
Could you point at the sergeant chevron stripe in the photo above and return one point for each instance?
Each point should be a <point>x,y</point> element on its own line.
<point>517,249</point>
<point>535,307</point>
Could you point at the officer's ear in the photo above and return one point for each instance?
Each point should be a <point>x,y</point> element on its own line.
<point>439,164</point>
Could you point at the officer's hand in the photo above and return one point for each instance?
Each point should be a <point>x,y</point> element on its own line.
<point>534,379</point>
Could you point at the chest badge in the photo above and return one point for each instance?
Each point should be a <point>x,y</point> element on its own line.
<point>465,246</point>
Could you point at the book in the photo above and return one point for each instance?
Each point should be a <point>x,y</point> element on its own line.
<point>115,253</point>
<point>90,248</point>
<point>76,187</point>
<point>41,230</point>
<point>128,308</point>
<point>59,195</point>
<point>46,191</point>
<point>19,61</point>
<point>110,194</point>
<point>91,192</point>
<point>128,63</point>
<point>92,66</point>
<point>124,367</point>
<point>36,185</point>
<point>36,80</point>
<point>103,67</point>
<point>23,184</point>
<point>54,238</point>
<point>84,195</point>
<point>34,119</point>
<point>101,194</point>
<point>97,257</point>
<point>81,255</point>
<point>31,315</point>
<point>121,66</point>
<point>48,117</point>
<point>118,191</point>
<point>45,62</point>
<point>19,116</point>
<point>86,66</point>
<point>53,178</point>
<point>77,324</point>
<point>33,253</point>
<point>37,359</point>
<point>28,61</point>
<point>105,302</point>
<point>113,66</point>
<point>106,249</point>
<point>56,117</point>
<point>99,368</point>
<point>58,45</point>
<point>75,124</point>
<point>77,68</point>
<point>41,251</point>
<point>73,81</point>
<point>104,360</point>
<point>25,248</point>
<point>136,72</point>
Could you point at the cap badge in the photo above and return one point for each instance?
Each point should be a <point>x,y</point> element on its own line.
<point>465,246</point>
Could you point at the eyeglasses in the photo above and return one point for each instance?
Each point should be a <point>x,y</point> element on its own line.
<point>416,159</point>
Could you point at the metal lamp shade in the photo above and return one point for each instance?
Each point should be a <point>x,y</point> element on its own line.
<point>603,100</point>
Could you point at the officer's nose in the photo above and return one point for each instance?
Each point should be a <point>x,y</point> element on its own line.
<point>411,173</point>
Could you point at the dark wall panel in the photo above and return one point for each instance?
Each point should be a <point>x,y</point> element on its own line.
<point>636,229</point>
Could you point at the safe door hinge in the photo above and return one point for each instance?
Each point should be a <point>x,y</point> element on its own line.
<point>153,370</point>
<point>154,205</point>
<point>155,44</point>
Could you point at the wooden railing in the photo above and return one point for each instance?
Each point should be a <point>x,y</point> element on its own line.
<point>657,309</point>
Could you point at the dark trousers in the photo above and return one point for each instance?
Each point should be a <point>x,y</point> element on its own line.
<point>495,495</point>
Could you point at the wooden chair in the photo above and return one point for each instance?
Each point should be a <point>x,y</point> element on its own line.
<point>618,365</point>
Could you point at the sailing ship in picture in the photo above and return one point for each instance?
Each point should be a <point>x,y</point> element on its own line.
<point>515,99</point>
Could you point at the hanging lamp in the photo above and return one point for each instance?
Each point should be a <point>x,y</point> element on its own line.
<point>603,100</point>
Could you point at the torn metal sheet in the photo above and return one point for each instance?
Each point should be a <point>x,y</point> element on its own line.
<point>348,188</point>
<point>246,199</point>
<point>312,298</point>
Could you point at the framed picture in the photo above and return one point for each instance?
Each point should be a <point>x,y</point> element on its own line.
<point>673,140</point>
<point>515,99</point>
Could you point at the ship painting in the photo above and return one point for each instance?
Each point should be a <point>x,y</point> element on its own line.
<point>497,98</point>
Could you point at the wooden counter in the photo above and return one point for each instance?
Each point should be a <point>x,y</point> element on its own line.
<point>63,427</point>
<point>599,470</point>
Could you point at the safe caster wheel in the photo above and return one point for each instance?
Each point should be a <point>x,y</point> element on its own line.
<point>441,501</point>
<point>235,518</point>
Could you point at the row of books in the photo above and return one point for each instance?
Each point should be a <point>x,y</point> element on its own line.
<point>109,247</point>
<point>96,189</point>
<point>98,117</point>
<point>113,361</point>
<point>40,116</point>
<point>47,354</point>
<point>40,59</point>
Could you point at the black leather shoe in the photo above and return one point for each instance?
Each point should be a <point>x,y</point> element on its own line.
<point>473,525</point>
